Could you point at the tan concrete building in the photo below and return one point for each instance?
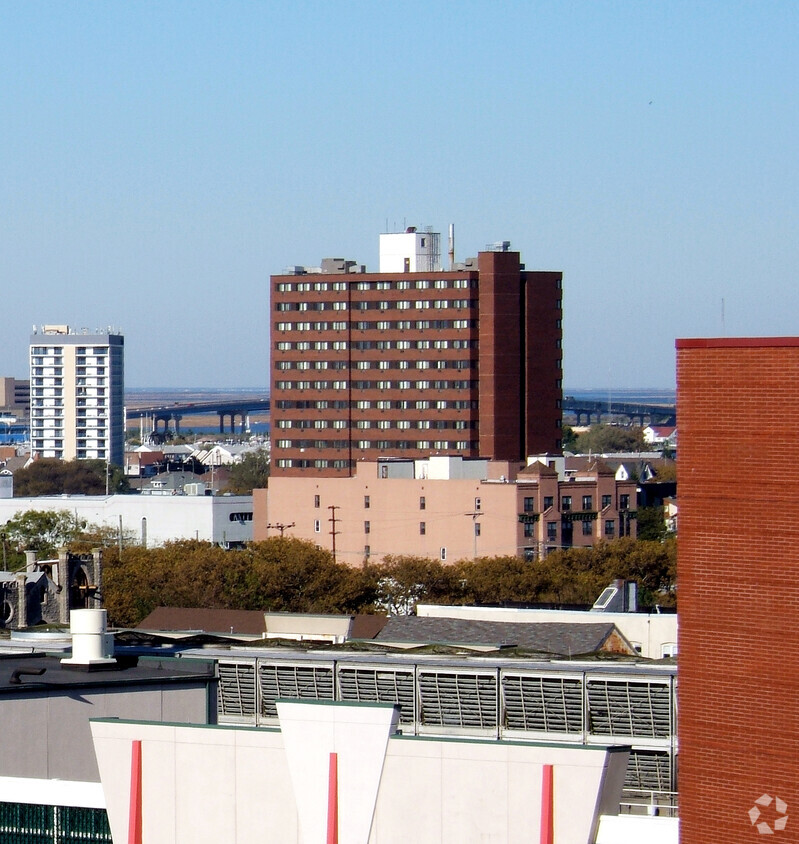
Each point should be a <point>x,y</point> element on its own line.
<point>449,508</point>
<point>77,394</point>
<point>15,396</point>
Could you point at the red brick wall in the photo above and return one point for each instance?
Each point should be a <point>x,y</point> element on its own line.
<point>501,386</point>
<point>738,584</point>
<point>543,308</point>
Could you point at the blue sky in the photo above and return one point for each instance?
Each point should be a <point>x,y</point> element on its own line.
<point>161,159</point>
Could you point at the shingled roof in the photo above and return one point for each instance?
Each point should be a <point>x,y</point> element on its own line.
<point>555,638</point>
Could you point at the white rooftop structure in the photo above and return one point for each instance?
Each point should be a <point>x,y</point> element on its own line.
<point>410,251</point>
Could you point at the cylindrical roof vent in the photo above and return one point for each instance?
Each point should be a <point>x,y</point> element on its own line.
<point>92,647</point>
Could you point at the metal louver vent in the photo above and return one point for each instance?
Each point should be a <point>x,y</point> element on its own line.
<point>620,708</point>
<point>381,685</point>
<point>458,700</point>
<point>543,704</point>
<point>648,771</point>
<point>309,682</point>
<point>236,690</point>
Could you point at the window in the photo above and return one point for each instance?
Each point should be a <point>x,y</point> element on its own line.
<point>610,527</point>
<point>443,554</point>
<point>316,501</point>
<point>588,502</point>
<point>422,502</point>
<point>668,649</point>
<point>528,529</point>
<point>529,504</point>
<point>587,528</point>
<point>367,527</point>
<point>366,502</point>
<point>317,526</point>
<point>477,528</point>
<point>624,502</point>
<point>422,528</point>
<point>607,500</point>
<point>552,531</point>
<point>478,504</point>
<point>566,503</point>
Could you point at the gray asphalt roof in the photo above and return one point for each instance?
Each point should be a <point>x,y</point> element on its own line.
<point>558,638</point>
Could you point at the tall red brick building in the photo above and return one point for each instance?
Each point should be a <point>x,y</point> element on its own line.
<point>738,409</point>
<point>414,360</point>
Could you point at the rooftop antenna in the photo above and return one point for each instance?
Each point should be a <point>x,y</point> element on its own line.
<point>452,246</point>
<point>723,322</point>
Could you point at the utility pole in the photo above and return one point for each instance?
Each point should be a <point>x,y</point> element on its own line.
<point>280,526</point>
<point>475,515</point>
<point>333,532</point>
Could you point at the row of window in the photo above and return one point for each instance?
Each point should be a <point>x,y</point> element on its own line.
<point>380,424</point>
<point>401,284</point>
<point>367,345</point>
<point>383,445</point>
<point>305,365</point>
<point>377,385</point>
<point>376,305</point>
<point>305,463</point>
<point>587,529</point>
<point>382,325</point>
<point>59,350</point>
<point>380,404</point>
<point>548,501</point>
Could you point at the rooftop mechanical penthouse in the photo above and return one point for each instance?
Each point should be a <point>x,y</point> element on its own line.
<point>414,360</point>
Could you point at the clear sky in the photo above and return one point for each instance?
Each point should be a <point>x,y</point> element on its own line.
<point>161,159</point>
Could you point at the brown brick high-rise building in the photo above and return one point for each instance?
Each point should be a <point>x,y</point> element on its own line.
<point>738,411</point>
<point>414,360</point>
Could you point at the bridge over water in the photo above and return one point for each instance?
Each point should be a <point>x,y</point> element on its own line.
<point>637,412</point>
<point>228,411</point>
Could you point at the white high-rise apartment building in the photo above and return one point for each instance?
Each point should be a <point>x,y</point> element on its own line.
<point>77,394</point>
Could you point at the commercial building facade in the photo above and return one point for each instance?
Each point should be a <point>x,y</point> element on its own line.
<point>414,360</point>
<point>151,520</point>
<point>738,586</point>
<point>77,394</point>
<point>449,508</point>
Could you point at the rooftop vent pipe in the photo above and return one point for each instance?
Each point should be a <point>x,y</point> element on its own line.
<point>92,647</point>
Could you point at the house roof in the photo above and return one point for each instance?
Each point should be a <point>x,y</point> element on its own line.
<point>557,638</point>
<point>539,469</point>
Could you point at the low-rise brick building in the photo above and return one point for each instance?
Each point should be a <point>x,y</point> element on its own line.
<point>449,508</point>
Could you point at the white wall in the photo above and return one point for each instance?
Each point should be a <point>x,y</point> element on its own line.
<point>231,785</point>
<point>169,517</point>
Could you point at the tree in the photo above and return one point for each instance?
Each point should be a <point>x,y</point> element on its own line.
<point>50,476</point>
<point>43,531</point>
<point>403,581</point>
<point>568,438</point>
<point>610,438</point>
<point>249,474</point>
<point>651,523</point>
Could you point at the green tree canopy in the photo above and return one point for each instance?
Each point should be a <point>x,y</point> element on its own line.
<point>249,474</point>
<point>50,476</point>
<point>43,531</point>
<point>603,438</point>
